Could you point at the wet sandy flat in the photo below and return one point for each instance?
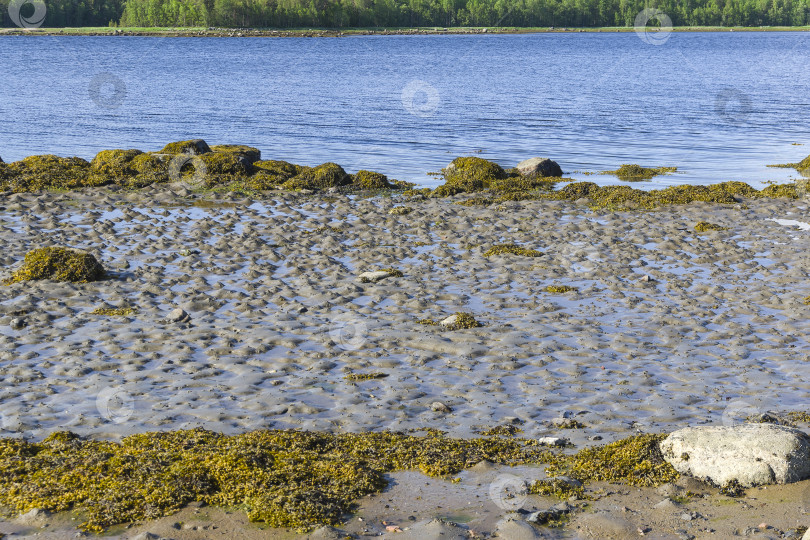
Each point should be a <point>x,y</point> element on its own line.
<point>668,327</point>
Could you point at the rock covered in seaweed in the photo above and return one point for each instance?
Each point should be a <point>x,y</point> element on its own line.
<point>249,154</point>
<point>538,166</point>
<point>193,147</point>
<point>36,173</point>
<point>370,180</point>
<point>324,176</point>
<point>469,174</point>
<point>59,264</point>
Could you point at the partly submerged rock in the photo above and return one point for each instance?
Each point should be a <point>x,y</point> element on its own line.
<point>751,454</point>
<point>539,167</point>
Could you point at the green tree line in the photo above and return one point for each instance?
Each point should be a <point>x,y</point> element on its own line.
<point>410,13</point>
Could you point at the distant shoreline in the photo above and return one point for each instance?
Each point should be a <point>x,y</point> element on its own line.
<point>349,32</point>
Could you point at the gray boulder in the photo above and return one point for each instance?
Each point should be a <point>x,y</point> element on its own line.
<point>751,454</point>
<point>539,167</point>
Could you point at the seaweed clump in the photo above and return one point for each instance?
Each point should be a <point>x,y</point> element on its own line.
<point>463,321</point>
<point>248,154</point>
<point>365,376</point>
<point>560,289</point>
<point>637,173</point>
<point>635,461</point>
<point>271,174</point>
<point>284,478</point>
<point>113,312</point>
<point>704,226</point>
<point>511,249</point>
<point>625,197</point>
<point>59,264</point>
<point>562,488</point>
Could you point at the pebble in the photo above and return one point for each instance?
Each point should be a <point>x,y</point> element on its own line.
<point>438,406</point>
<point>178,315</point>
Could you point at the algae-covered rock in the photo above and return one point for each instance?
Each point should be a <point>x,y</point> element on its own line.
<point>149,169</point>
<point>270,174</point>
<point>35,173</point>
<point>468,174</point>
<point>777,191</point>
<point>250,154</point>
<point>327,175</point>
<point>216,168</point>
<point>804,164</point>
<point>370,180</point>
<point>114,165</point>
<point>59,264</point>
<point>193,146</point>
<point>705,226</point>
<point>537,166</point>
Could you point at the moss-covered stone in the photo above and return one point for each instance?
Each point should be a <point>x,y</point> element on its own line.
<point>59,264</point>
<point>114,166</point>
<point>778,191</point>
<point>248,153</point>
<point>637,173</point>
<point>804,164</point>
<point>370,180</point>
<point>150,169</point>
<point>560,289</point>
<point>400,211</point>
<point>511,249</point>
<point>705,226</point>
<point>219,168</point>
<point>270,174</point>
<point>469,174</point>
<point>327,175</point>
<point>36,173</point>
<point>193,146</point>
<point>562,488</point>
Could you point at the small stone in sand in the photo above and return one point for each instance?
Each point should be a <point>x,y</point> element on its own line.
<point>438,406</point>
<point>376,275</point>
<point>178,315</point>
<point>552,441</point>
<point>18,323</point>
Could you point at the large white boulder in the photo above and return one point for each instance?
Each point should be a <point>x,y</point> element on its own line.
<point>751,454</point>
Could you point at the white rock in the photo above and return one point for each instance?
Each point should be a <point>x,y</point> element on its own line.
<point>552,441</point>
<point>666,504</point>
<point>449,321</point>
<point>438,406</point>
<point>178,315</point>
<point>752,454</point>
<point>373,277</point>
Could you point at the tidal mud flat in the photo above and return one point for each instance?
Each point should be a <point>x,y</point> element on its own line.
<point>618,323</point>
<point>665,325</point>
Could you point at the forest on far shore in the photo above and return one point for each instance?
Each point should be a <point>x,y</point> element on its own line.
<point>409,13</point>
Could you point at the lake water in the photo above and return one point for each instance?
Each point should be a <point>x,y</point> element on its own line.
<point>719,106</point>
